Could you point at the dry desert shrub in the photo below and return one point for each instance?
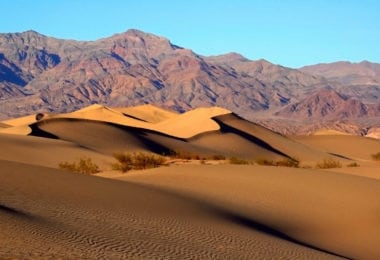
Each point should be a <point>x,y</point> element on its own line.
<point>137,161</point>
<point>237,160</point>
<point>328,163</point>
<point>353,164</point>
<point>217,157</point>
<point>376,156</point>
<point>265,162</point>
<point>286,162</point>
<point>185,155</point>
<point>84,165</point>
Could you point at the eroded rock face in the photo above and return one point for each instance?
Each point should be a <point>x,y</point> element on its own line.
<point>44,74</point>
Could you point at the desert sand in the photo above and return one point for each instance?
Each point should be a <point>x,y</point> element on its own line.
<point>186,210</point>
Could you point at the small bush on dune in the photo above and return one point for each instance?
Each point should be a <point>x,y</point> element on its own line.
<point>237,160</point>
<point>288,162</point>
<point>193,156</point>
<point>137,161</point>
<point>353,164</point>
<point>217,157</point>
<point>84,165</point>
<point>186,155</point>
<point>376,156</point>
<point>265,162</point>
<point>328,163</point>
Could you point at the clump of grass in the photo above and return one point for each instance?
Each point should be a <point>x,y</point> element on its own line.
<point>328,163</point>
<point>288,162</point>
<point>137,161</point>
<point>376,156</point>
<point>84,165</point>
<point>186,155</point>
<point>217,157</point>
<point>353,164</point>
<point>237,160</point>
<point>265,162</point>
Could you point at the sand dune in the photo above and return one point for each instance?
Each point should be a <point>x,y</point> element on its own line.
<point>3,125</point>
<point>45,213</point>
<point>18,126</point>
<point>45,152</point>
<point>16,130</point>
<point>334,212</point>
<point>269,139</point>
<point>354,147</point>
<point>182,211</point>
<point>21,121</point>
<point>192,123</point>
<point>147,113</point>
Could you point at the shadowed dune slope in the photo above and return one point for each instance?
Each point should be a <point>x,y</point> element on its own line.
<point>334,212</point>
<point>99,136</point>
<point>267,138</point>
<point>110,138</point>
<point>44,151</point>
<point>47,213</point>
<point>355,147</point>
<point>184,125</point>
<point>98,128</point>
<point>234,144</point>
<point>3,125</point>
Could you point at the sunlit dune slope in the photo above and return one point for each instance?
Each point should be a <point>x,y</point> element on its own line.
<point>334,212</point>
<point>354,147</point>
<point>148,113</point>
<point>45,151</point>
<point>46,213</point>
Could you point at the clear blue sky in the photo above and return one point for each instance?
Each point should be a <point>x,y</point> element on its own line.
<point>288,32</point>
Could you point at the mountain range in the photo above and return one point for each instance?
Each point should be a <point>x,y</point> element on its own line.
<point>45,74</point>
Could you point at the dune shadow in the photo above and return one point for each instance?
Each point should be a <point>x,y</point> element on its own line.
<point>233,217</point>
<point>225,128</point>
<point>249,223</point>
<point>13,211</point>
<point>340,156</point>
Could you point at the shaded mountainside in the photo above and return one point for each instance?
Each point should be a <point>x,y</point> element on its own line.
<point>39,73</point>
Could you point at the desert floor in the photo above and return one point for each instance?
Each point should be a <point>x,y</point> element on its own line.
<point>189,208</point>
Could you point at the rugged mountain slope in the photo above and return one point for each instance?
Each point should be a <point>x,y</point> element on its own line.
<point>329,104</point>
<point>359,80</point>
<point>133,68</point>
<point>39,73</point>
<point>363,73</point>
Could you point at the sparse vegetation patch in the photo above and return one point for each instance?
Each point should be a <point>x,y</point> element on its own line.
<point>84,165</point>
<point>237,160</point>
<point>328,163</point>
<point>137,161</point>
<point>376,156</point>
<point>353,164</point>
<point>288,162</point>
